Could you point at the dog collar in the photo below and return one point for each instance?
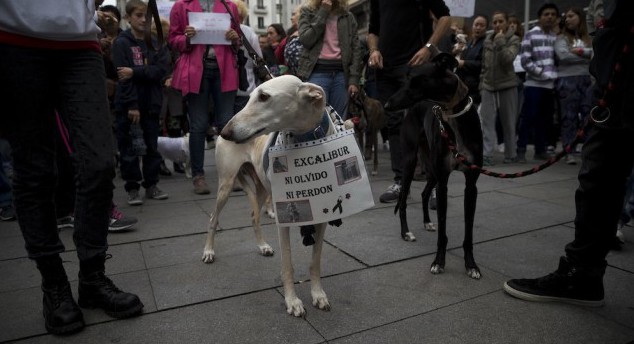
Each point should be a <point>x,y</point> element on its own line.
<point>463,111</point>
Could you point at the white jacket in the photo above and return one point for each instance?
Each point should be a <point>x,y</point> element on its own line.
<point>59,20</point>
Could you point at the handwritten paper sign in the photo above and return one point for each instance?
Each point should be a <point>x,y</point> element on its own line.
<point>164,8</point>
<point>319,181</point>
<point>210,27</point>
<point>461,8</point>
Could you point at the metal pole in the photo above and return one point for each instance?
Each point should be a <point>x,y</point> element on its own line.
<point>527,9</point>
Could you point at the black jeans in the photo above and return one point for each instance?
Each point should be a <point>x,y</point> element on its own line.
<point>607,163</point>
<point>389,80</point>
<point>130,170</point>
<point>35,83</point>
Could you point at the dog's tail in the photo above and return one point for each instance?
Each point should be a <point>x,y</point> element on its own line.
<point>248,174</point>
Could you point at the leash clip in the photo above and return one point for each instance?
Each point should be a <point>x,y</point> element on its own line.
<point>596,117</point>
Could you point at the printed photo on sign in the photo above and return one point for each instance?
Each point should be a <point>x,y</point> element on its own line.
<point>347,170</point>
<point>294,211</point>
<point>280,164</point>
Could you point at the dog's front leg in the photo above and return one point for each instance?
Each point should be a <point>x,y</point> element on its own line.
<point>320,300</point>
<point>294,305</point>
<point>438,266</point>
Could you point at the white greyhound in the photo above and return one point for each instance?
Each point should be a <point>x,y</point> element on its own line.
<point>283,104</point>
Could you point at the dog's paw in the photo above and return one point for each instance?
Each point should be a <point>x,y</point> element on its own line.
<point>270,213</point>
<point>409,236</point>
<point>208,256</point>
<point>474,273</point>
<point>295,307</point>
<point>266,250</point>
<point>437,269</point>
<point>320,300</point>
<point>430,226</point>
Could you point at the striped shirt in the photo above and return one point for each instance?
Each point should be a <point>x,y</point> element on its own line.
<point>538,58</point>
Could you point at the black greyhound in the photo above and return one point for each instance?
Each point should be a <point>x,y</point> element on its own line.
<point>436,100</point>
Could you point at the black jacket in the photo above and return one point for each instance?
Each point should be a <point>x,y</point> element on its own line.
<point>403,26</point>
<point>470,70</point>
<point>143,91</point>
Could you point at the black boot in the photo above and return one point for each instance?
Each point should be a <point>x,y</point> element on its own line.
<point>61,313</point>
<point>96,290</point>
<point>571,284</point>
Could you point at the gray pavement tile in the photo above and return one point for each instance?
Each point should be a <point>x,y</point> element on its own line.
<point>9,229</point>
<point>12,247</point>
<point>22,315</point>
<point>623,259</point>
<point>238,268</point>
<point>497,318</point>
<point>125,258</point>
<point>536,254</point>
<point>254,318</point>
<point>365,299</point>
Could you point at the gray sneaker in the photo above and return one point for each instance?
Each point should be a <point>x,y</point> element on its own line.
<point>391,194</point>
<point>134,198</point>
<point>154,192</point>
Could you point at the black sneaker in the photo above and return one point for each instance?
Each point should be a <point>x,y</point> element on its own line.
<point>66,222</point>
<point>570,284</point>
<point>120,222</point>
<point>154,192</point>
<point>391,194</point>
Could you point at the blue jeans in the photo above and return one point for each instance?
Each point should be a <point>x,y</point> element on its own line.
<point>35,83</point>
<point>130,170</point>
<point>537,115</point>
<point>574,100</point>
<point>198,115</point>
<point>334,85</point>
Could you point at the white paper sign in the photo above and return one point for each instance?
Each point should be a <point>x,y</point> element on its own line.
<point>319,181</point>
<point>211,28</point>
<point>164,8</point>
<point>461,8</point>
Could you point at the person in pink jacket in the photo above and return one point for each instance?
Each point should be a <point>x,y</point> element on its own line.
<point>202,71</point>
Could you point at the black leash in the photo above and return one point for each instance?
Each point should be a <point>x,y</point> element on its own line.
<point>257,60</point>
<point>152,13</point>
<point>437,110</point>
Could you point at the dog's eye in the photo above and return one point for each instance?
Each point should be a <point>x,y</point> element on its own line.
<point>263,97</point>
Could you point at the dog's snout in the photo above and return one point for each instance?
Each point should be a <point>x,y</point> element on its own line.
<point>227,133</point>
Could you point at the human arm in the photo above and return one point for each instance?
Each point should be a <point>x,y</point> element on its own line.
<point>126,90</point>
<point>569,55</point>
<point>354,72</point>
<point>443,27</point>
<point>506,47</point>
<point>312,25</point>
<point>180,31</point>
<point>526,57</point>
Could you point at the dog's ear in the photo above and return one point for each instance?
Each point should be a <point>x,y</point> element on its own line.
<point>312,93</point>
<point>445,60</point>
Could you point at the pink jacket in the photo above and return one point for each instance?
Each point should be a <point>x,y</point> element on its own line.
<point>188,71</point>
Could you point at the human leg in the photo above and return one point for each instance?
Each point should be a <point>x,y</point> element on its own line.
<point>198,106</point>
<point>223,101</point>
<point>488,113</point>
<point>508,118</point>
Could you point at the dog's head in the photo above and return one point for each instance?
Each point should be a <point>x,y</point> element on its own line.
<point>284,103</point>
<point>434,81</point>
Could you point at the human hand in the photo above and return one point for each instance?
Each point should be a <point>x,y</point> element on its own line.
<point>168,82</point>
<point>105,18</point>
<point>376,59</point>
<point>353,91</point>
<point>134,116</point>
<point>124,73</point>
<point>232,35</point>
<point>190,31</point>
<point>420,57</point>
<point>326,4</point>
<point>500,34</point>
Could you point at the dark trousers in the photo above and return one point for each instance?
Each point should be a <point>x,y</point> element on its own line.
<point>390,80</point>
<point>131,172</point>
<point>607,163</point>
<point>36,82</point>
<point>536,117</point>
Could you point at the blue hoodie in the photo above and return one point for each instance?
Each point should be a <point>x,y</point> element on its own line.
<point>143,91</point>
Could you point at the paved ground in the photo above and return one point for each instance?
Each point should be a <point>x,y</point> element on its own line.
<point>379,286</point>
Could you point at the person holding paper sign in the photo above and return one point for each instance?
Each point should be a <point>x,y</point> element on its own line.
<point>202,71</point>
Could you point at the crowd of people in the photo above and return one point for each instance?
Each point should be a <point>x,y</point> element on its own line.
<point>94,79</point>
